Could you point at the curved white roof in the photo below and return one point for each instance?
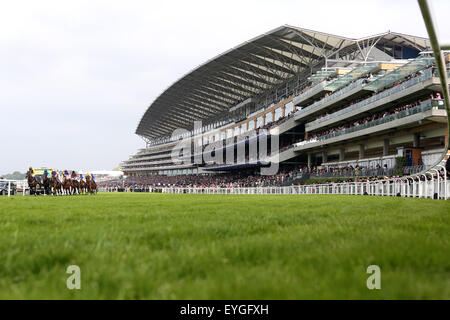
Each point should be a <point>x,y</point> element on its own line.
<point>249,70</point>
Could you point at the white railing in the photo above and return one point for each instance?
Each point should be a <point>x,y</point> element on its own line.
<point>428,185</point>
<point>12,186</point>
<point>427,74</point>
<point>401,187</point>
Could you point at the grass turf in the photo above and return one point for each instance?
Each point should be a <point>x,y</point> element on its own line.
<point>143,246</point>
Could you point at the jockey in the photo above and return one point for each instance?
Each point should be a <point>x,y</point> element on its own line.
<point>81,176</point>
<point>57,176</point>
<point>66,175</point>
<point>46,173</point>
<point>32,171</point>
<point>92,176</point>
<point>74,175</point>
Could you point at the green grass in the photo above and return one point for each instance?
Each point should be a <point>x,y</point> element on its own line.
<point>142,246</point>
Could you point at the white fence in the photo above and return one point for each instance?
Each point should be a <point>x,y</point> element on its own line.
<point>420,186</point>
<point>402,188</point>
<point>432,188</point>
<point>10,187</point>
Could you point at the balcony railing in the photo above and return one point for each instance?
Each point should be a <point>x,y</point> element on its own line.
<point>367,172</point>
<point>425,76</point>
<point>318,87</point>
<point>424,106</point>
<point>332,96</point>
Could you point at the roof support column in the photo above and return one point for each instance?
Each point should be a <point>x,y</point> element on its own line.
<point>324,156</point>
<point>361,151</point>
<point>341,154</point>
<point>385,147</point>
<point>416,140</point>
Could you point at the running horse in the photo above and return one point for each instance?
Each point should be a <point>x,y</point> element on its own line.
<point>83,186</point>
<point>94,186</point>
<point>75,186</point>
<point>46,182</point>
<point>91,185</point>
<point>56,185</point>
<point>33,183</point>
<point>67,186</point>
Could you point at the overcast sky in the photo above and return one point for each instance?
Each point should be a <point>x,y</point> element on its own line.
<point>76,76</point>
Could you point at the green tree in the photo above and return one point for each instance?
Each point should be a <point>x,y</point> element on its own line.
<point>16,175</point>
<point>399,165</point>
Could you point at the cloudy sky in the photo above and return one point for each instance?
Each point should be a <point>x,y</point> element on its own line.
<point>76,76</point>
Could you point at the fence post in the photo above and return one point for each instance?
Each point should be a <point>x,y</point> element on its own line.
<point>445,179</point>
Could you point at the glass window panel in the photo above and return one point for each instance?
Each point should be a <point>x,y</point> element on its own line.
<point>278,113</point>
<point>268,117</point>
<point>251,125</point>
<point>259,122</point>
<point>400,73</point>
<point>289,107</point>
<point>321,75</point>
<point>354,74</point>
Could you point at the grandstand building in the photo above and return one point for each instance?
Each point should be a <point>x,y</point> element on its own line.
<point>330,102</point>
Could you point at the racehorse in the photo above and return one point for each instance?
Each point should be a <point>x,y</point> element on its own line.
<point>56,185</point>
<point>83,187</point>
<point>75,186</point>
<point>46,182</point>
<point>91,185</point>
<point>33,183</point>
<point>67,186</point>
<point>94,186</point>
